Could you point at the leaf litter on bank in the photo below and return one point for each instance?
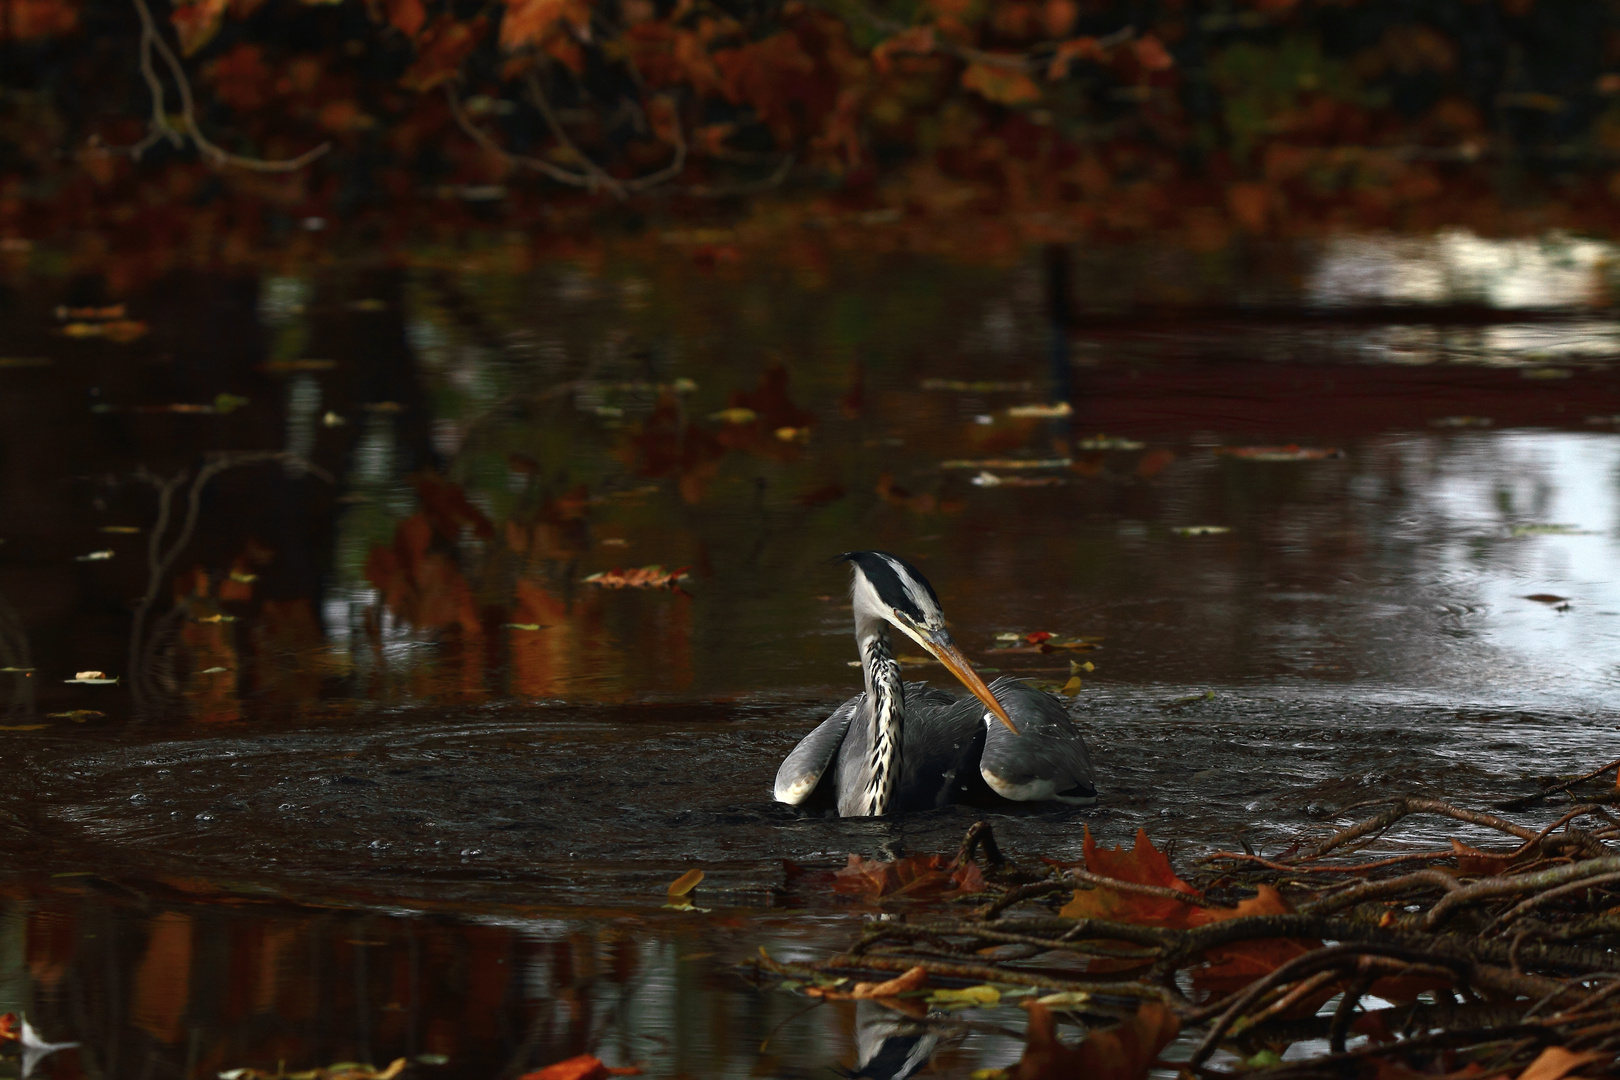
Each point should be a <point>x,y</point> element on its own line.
<point>1248,953</point>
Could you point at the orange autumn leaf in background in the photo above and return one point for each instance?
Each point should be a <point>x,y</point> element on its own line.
<point>442,48</point>
<point>1003,85</point>
<point>532,22</point>
<point>32,20</point>
<point>196,21</point>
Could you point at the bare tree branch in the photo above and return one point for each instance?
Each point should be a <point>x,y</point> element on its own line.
<point>161,126</point>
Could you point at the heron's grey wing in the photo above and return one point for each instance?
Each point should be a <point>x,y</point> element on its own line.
<point>940,741</point>
<point>1047,759</point>
<point>802,769</point>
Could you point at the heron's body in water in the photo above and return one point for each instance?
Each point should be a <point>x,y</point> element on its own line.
<point>908,746</point>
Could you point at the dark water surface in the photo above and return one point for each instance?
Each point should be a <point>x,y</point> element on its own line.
<point>385,776</point>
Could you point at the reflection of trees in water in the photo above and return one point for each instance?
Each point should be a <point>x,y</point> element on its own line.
<point>16,655</point>
<point>197,989</point>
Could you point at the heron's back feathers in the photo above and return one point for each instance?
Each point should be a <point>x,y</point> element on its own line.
<point>944,742</point>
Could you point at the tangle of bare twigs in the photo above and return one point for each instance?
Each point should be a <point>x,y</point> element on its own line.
<point>1486,957</point>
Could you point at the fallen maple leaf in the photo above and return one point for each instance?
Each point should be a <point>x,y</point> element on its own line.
<point>1122,1053</point>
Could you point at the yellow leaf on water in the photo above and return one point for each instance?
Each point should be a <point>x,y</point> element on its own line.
<point>736,415</point>
<point>685,883</point>
<point>1072,687</point>
<point>21,727</point>
<point>983,995</point>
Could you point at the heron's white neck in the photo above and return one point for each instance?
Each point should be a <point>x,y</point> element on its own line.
<point>886,703</point>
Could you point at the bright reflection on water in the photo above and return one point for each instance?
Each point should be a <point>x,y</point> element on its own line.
<point>455,777</point>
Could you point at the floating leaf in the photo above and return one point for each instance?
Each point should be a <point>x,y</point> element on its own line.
<point>983,995</point>
<point>583,1067</point>
<point>735,415</point>
<point>989,479</point>
<point>647,577</point>
<point>1055,411</point>
<point>1109,442</point>
<point>1007,463</point>
<point>78,716</point>
<point>1072,687</point>
<point>1280,453</point>
<point>685,883</point>
<point>1550,530</point>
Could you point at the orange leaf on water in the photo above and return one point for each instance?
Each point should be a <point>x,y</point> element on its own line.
<point>1122,1053</point>
<point>912,979</point>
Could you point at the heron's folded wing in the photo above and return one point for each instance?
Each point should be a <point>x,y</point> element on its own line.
<point>1047,759</point>
<point>802,770</point>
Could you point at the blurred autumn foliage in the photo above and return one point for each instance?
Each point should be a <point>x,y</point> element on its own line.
<point>969,127</point>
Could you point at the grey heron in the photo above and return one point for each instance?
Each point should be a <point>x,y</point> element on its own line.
<point>908,746</point>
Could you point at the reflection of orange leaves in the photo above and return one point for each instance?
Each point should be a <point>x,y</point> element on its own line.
<point>532,22</point>
<point>162,987</point>
<point>1122,1053</point>
<point>442,48</point>
<point>1250,204</point>
<point>583,1067</point>
<point>196,22</point>
<point>1003,85</point>
<point>918,875</point>
<point>422,587</point>
<point>448,509</point>
<point>666,445</point>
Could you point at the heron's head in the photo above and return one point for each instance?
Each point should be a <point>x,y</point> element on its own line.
<point>887,589</point>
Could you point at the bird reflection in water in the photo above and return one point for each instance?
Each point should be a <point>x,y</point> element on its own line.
<point>892,1046</point>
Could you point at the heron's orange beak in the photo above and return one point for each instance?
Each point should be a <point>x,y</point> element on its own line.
<point>946,652</point>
